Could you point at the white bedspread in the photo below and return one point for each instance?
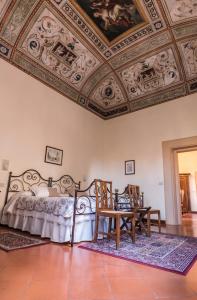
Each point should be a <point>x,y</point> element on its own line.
<point>50,217</point>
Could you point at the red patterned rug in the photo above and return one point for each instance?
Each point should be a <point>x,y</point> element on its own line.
<point>163,251</point>
<point>12,241</point>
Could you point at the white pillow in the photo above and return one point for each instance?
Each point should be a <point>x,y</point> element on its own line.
<point>22,194</point>
<point>40,191</point>
<point>64,195</point>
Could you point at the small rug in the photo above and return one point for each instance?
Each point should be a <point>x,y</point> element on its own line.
<point>164,251</point>
<point>12,241</point>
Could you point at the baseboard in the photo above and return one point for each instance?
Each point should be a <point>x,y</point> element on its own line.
<point>155,222</point>
<point>4,225</point>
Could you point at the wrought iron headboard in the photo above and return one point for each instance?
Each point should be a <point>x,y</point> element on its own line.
<point>31,177</point>
<point>64,184</point>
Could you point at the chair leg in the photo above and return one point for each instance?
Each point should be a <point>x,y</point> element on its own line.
<point>133,229</point>
<point>159,221</point>
<point>96,228</point>
<point>148,225</point>
<point>109,228</point>
<point>117,231</point>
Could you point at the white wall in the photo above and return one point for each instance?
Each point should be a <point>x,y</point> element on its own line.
<point>188,164</point>
<point>33,116</point>
<point>139,136</point>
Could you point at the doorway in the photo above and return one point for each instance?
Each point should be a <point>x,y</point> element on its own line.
<point>187,166</point>
<point>171,176</point>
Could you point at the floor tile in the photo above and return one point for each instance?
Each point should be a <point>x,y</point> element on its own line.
<point>59,272</point>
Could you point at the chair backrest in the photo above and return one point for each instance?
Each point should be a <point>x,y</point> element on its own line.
<point>134,194</point>
<point>103,190</point>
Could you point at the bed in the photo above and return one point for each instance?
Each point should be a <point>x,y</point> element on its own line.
<point>62,214</point>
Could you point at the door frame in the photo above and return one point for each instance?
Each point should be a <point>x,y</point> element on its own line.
<point>170,151</point>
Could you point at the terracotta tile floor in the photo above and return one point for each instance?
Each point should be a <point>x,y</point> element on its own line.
<point>57,272</point>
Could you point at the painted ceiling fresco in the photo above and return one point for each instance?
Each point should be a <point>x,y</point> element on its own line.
<point>111,57</point>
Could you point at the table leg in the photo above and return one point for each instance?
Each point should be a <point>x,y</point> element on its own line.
<point>159,221</point>
<point>109,229</point>
<point>117,231</point>
<point>133,228</point>
<point>149,224</point>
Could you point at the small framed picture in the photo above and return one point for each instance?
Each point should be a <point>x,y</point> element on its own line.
<point>129,167</point>
<point>5,165</point>
<point>53,155</point>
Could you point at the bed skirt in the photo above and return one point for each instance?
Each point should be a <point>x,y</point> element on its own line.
<point>57,229</point>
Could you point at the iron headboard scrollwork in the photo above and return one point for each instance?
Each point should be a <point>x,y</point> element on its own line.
<point>24,182</point>
<point>31,177</point>
<point>64,184</point>
<point>121,200</point>
<point>124,200</point>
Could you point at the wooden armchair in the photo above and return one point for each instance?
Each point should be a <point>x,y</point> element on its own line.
<point>105,208</point>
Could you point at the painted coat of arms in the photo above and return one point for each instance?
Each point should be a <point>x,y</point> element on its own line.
<point>112,17</point>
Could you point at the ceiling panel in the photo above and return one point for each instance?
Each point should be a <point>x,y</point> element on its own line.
<point>108,94</point>
<point>110,57</point>
<point>152,73</point>
<point>53,45</point>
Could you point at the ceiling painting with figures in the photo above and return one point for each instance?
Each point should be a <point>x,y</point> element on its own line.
<point>113,17</point>
<point>111,57</point>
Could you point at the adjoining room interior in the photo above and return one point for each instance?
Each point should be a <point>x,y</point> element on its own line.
<point>187,163</point>
<point>188,181</point>
<point>98,91</point>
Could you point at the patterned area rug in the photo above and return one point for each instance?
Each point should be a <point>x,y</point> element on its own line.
<point>12,241</point>
<point>164,251</point>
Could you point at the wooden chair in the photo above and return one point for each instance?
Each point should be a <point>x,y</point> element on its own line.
<point>138,201</point>
<point>105,208</point>
<point>141,215</point>
<point>154,212</point>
